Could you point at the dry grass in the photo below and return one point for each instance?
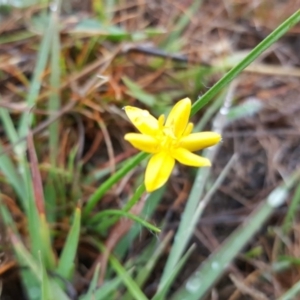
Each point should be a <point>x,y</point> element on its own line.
<point>91,121</point>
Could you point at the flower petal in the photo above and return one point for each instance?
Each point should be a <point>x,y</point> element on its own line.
<point>142,142</point>
<point>158,170</point>
<point>179,116</point>
<point>188,129</point>
<point>200,140</point>
<point>190,159</point>
<point>142,120</point>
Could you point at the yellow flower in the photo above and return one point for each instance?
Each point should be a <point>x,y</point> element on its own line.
<point>168,141</point>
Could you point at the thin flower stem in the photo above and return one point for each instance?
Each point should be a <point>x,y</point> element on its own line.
<point>235,71</point>
<point>139,193</point>
<point>97,195</point>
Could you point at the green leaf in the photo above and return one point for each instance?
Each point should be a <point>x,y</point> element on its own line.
<point>67,257</point>
<point>137,92</point>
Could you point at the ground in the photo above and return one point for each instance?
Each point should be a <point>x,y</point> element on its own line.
<point>265,139</point>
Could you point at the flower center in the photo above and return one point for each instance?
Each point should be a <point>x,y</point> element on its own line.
<point>167,140</point>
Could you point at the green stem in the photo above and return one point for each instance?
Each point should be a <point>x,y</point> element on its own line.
<point>97,195</point>
<point>120,213</point>
<point>235,71</point>
<point>107,223</point>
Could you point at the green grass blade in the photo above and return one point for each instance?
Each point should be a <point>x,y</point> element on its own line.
<point>105,290</point>
<point>8,169</point>
<point>146,270</point>
<point>292,211</point>
<point>185,229</point>
<point>206,275</point>
<point>18,36</point>
<point>54,98</point>
<point>173,43</point>
<point>235,71</point>
<point>35,86</point>
<point>8,126</point>
<point>122,273</point>
<point>211,111</point>
<point>115,212</point>
<point>163,289</point>
<point>93,285</point>
<point>149,208</point>
<point>7,217</point>
<point>25,257</point>
<point>132,201</point>
<point>66,261</point>
<point>292,293</point>
<point>137,92</point>
<point>97,195</point>
<point>6,165</point>
<point>47,255</point>
<point>46,290</point>
<point>127,279</point>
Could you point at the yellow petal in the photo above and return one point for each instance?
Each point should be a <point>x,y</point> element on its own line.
<point>199,140</point>
<point>142,120</point>
<point>188,129</point>
<point>158,170</point>
<point>142,142</point>
<point>179,116</point>
<point>190,159</point>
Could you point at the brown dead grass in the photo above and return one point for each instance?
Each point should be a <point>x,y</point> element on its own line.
<point>267,143</point>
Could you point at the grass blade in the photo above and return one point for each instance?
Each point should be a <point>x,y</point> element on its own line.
<point>206,275</point>
<point>96,196</point>
<point>292,293</point>
<point>54,98</point>
<point>235,71</point>
<point>163,289</point>
<point>185,229</point>
<point>132,201</point>
<point>66,261</point>
<point>292,211</point>
<point>104,291</point>
<point>92,288</point>
<point>46,290</point>
<point>115,212</point>
<point>34,89</point>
